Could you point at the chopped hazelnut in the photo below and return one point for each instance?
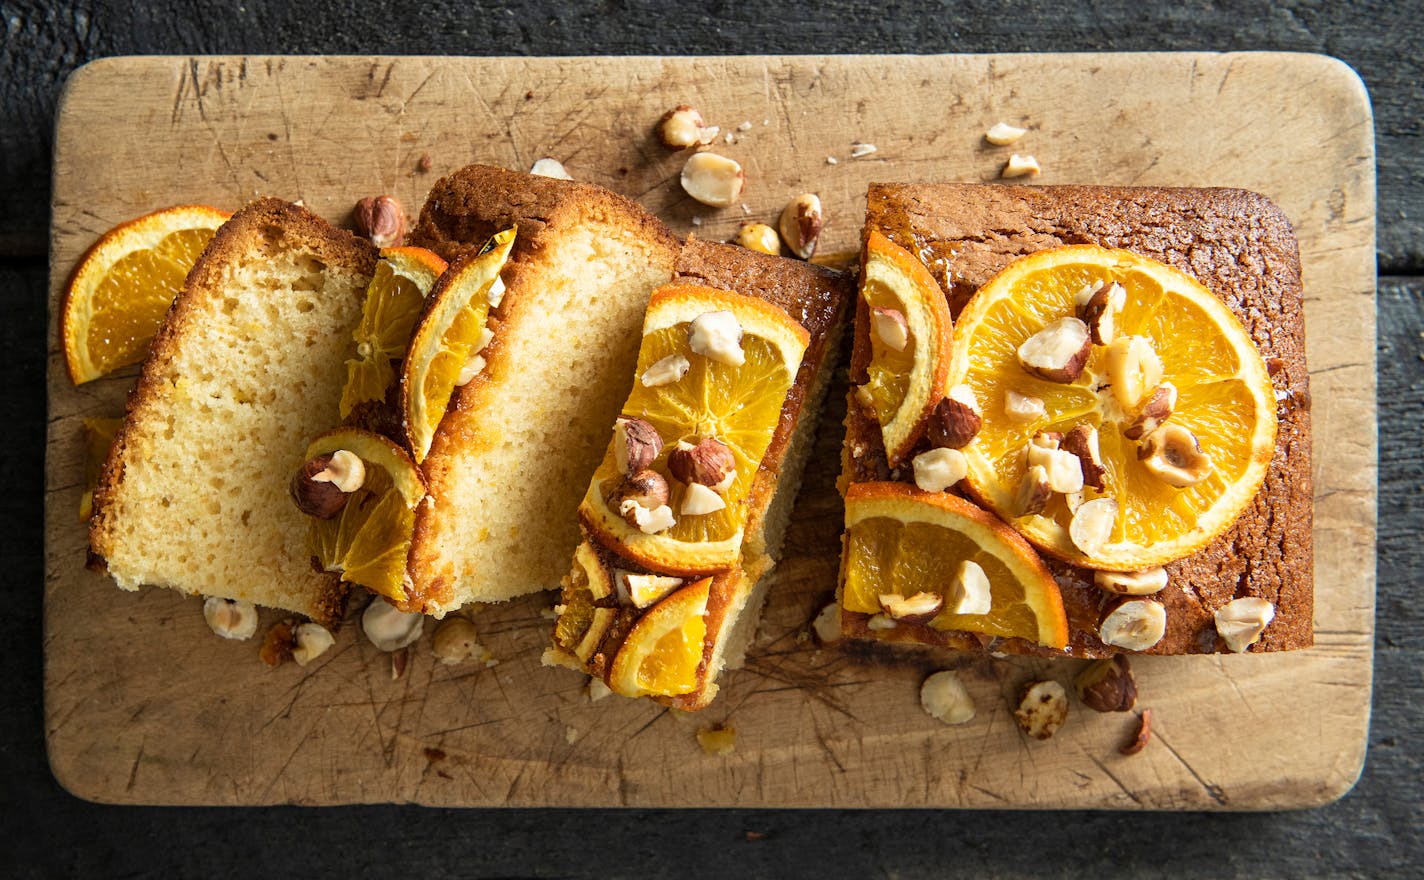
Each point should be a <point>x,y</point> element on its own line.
<point>1042,709</point>
<point>713,180</point>
<point>1034,491</point>
<point>389,628</point>
<point>1131,583</point>
<point>1058,352</point>
<point>939,469</point>
<point>642,590</point>
<point>635,444</point>
<point>1022,408</point>
<point>1107,685</point>
<point>1082,442</point>
<point>1134,624</point>
<point>1142,737</point>
<point>969,590</point>
<point>1159,406</point>
<point>319,498</point>
<point>759,237</point>
<point>1240,622</point>
<point>456,641</point>
<point>681,127</point>
<point>710,463</point>
<point>1173,455</point>
<point>1020,166</point>
<point>955,420</point>
<point>699,499</point>
<point>1133,368</point>
<point>1002,134</point>
<point>1092,524</point>
<point>230,618</point>
<point>945,697</point>
<point>827,624</point>
<point>890,328</point>
<point>919,608</point>
<point>718,336</point>
<point>1099,304</point>
<point>666,371</point>
<point>548,167</point>
<point>800,224</point>
<point>311,641</point>
<point>344,470</point>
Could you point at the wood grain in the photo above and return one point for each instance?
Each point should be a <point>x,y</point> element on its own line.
<point>143,705</point>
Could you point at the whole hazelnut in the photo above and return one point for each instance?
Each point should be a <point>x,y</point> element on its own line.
<point>381,220</point>
<point>710,462</point>
<point>1107,685</point>
<point>321,499</point>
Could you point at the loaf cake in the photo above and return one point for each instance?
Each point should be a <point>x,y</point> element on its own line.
<point>510,459</point>
<point>247,367</point>
<point>600,606</point>
<point>1236,243</point>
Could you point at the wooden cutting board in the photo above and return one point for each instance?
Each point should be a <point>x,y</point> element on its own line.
<point>145,705</point>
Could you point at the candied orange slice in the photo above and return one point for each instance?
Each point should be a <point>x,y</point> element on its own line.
<point>404,277</point>
<point>124,284</point>
<point>368,540</point>
<point>99,435</point>
<point>581,624</point>
<point>663,652</point>
<point>444,350</point>
<point>903,541</point>
<point>910,333</point>
<point>1183,339</point>
<point>703,397</point>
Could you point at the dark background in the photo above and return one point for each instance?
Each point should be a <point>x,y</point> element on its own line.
<point>1375,830</point>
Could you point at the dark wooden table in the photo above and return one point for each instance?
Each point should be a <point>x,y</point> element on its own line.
<point>1375,830</point>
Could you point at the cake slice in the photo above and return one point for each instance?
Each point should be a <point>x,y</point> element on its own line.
<point>685,516</point>
<point>247,367</point>
<point>1235,243</point>
<point>510,459</point>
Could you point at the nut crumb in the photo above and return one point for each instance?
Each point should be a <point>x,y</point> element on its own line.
<point>745,126</point>
<point>399,661</point>
<point>1144,734</point>
<point>717,740</point>
<point>859,150</point>
<point>1021,166</point>
<point>832,160</point>
<point>755,835</point>
<point>1002,134</point>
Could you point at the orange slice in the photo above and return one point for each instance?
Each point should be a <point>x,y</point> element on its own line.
<point>368,540</point>
<point>124,284</point>
<point>903,384</point>
<point>1224,398</point>
<point>663,652</point>
<point>98,437</point>
<point>404,277</point>
<point>447,339</point>
<point>581,625</point>
<point>739,405</point>
<point>903,541</point>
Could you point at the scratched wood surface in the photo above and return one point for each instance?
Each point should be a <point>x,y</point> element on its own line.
<point>144,705</point>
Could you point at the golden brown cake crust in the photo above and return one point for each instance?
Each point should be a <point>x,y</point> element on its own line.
<point>468,206</point>
<point>264,218</point>
<point>1240,245</point>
